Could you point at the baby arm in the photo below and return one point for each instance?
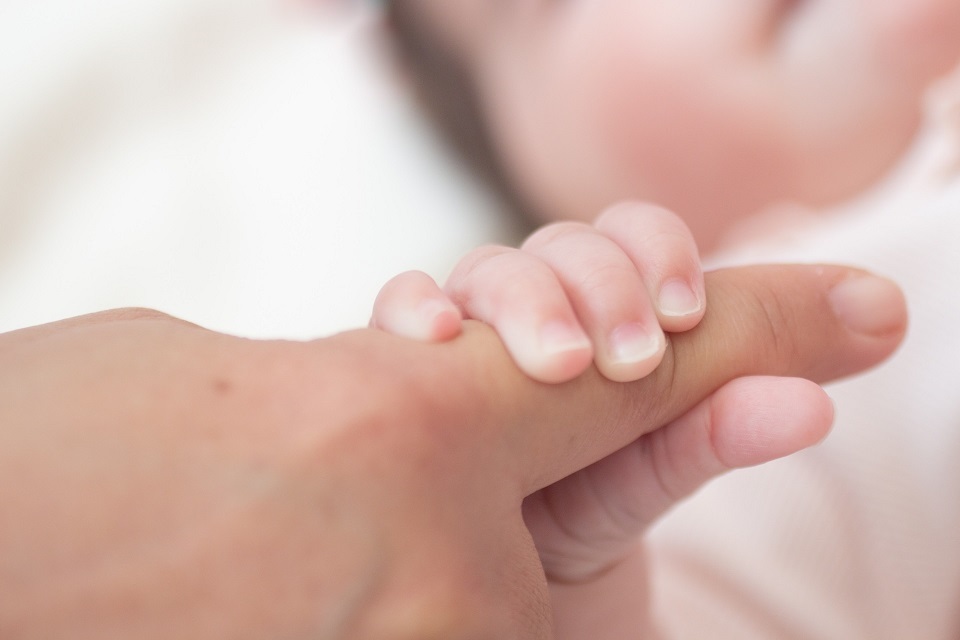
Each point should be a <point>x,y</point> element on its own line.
<point>571,295</point>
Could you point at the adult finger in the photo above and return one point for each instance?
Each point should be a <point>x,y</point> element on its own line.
<point>815,322</point>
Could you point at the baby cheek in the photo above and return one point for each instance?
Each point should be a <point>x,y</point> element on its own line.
<point>551,123</point>
<point>700,139</point>
<point>919,38</point>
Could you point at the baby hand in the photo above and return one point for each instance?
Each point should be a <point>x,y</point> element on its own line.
<point>571,295</point>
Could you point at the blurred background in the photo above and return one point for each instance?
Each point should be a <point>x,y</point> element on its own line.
<point>258,167</point>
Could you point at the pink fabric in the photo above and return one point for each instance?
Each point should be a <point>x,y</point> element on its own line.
<point>859,538</point>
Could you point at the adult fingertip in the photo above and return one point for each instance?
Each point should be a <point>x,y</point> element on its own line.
<point>869,305</point>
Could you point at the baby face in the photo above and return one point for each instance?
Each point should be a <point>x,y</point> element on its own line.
<point>715,108</point>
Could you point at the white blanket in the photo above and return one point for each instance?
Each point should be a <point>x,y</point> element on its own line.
<point>252,165</point>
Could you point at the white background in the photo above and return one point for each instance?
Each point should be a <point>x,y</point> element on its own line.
<point>255,166</point>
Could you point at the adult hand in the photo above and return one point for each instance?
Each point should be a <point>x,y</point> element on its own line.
<point>161,480</point>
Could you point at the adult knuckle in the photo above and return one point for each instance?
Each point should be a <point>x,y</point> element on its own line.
<point>773,323</point>
<point>377,399</point>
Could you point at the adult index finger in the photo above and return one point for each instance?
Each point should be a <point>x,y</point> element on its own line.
<point>820,323</point>
<point>474,411</point>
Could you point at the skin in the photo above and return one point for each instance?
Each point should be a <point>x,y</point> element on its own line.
<point>572,294</point>
<point>160,480</point>
<point>716,110</point>
<point>594,280</point>
<point>713,109</point>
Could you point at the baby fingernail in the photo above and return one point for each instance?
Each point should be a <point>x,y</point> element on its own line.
<point>677,298</point>
<point>631,343</point>
<point>868,304</point>
<point>560,338</point>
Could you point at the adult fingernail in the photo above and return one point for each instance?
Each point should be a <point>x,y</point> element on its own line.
<point>869,305</point>
<point>678,299</point>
